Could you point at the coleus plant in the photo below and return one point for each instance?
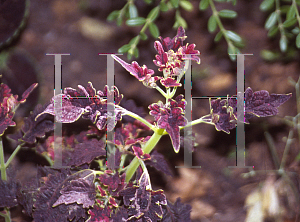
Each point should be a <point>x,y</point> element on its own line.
<point>79,191</point>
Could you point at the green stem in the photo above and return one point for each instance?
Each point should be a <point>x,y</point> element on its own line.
<point>173,92</point>
<point>141,119</point>
<point>6,215</point>
<point>279,20</point>
<point>48,158</point>
<point>161,91</point>
<point>272,147</point>
<point>168,95</point>
<point>148,147</point>
<point>2,161</point>
<point>297,12</point>
<point>194,122</point>
<point>286,149</point>
<point>13,155</point>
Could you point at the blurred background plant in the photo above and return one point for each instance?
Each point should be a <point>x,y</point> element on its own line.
<point>284,20</point>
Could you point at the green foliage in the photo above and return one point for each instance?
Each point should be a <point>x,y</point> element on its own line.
<point>234,41</point>
<point>283,20</point>
<point>130,16</point>
<point>203,4</point>
<point>227,14</point>
<point>212,24</point>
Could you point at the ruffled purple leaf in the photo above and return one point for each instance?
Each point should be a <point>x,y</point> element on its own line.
<point>169,82</point>
<point>176,212</point>
<point>99,214</point>
<point>5,120</point>
<point>86,103</point>
<point>36,127</point>
<point>261,104</point>
<point>174,43</point>
<point>189,52</point>
<point>68,112</point>
<point>172,53</point>
<point>49,193</point>
<point>8,104</point>
<point>134,69</point>
<point>27,92</point>
<point>139,153</point>
<point>170,117</point>
<point>80,191</point>
<point>144,204</point>
<point>114,183</point>
<point>86,152</point>
<point>159,163</point>
<point>8,193</point>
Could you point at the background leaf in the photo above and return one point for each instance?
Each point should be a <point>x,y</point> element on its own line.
<point>124,48</point>
<point>175,3</point>
<point>218,36</point>
<point>233,36</point>
<point>113,15</point>
<point>133,12</point>
<point>154,30</point>
<point>266,5</point>
<point>203,4</point>
<point>153,13</point>
<point>212,24</point>
<point>187,5</point>
<point>225,13</point>
<point>283,42</point>
<point>298,41</point>
<point>271,20</point>
<point>136,21</point>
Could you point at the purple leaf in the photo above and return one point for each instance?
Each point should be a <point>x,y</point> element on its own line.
<point>80,191</point>
<point>27,195</point>
<point>5,120</point>
<point>170,117</point>
<point>27,92</point>
<point>143,203</point>
<point>68,112</point>
<point>86,103</point>
<point>158,162</point>
<point>8,193</point>
<point>4,92</point>
<point>50,193</point>
<point>99,214</point>
<point>172,53</point>
<point>86,152</point>
<point>139,153</point>
<point>169,82</point>
<point>114,183</point>
<point>261,104</point>
<point>177,212</point>
<point>36,127</point>
<point>120,214</point>
<point>134,69</point>
<point>174,43</point>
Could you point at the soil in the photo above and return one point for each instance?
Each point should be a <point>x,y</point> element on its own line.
<point>216,192</point>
